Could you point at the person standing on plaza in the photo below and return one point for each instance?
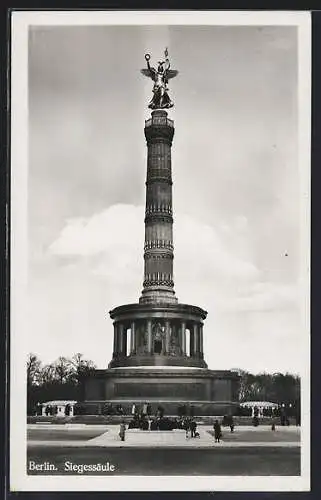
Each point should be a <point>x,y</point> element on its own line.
<point>193,428</point>
<point>186,427</point>
<point>231,423</point>
<point>217,431</point>
<point>122,430</point>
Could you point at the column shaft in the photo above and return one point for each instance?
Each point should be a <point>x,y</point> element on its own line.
<point>121,339</point>
<point>132,338</point>
<point>125,340</point>
<point>137,335</point>
<point>195,339</point>
<point>149,336</point>
<point>191,341</point>
<point>201,348</point>
<point>158,282</point>
<point>115,341</point>
<point>167,336</point>
<point>183,338</point>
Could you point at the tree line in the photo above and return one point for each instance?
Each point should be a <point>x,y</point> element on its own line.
<point>59,380</point>
<point>277,387</point>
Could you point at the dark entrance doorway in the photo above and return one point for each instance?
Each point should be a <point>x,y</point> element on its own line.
<point>158,347</point>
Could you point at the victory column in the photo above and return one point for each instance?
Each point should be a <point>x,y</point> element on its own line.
<point>152,362</point>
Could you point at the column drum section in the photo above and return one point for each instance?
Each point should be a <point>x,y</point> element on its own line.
<point>158,285</point>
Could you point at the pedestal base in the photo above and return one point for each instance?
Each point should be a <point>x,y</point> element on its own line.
<point>208,392</point>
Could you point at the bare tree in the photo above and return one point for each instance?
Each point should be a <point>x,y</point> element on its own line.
<point>63,369</point>
<point>48,374</point>
<point>33,370</point>
<point>81,365</point>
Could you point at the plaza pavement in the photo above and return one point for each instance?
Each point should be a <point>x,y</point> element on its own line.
<point>243,436</point>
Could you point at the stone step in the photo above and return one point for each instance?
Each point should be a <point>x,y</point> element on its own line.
<point>155,437</point>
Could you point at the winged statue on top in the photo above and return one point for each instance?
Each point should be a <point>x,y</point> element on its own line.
<point>160,77</point>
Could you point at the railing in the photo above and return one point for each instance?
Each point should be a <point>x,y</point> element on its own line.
<point>152,209</point>
<point>150,244</point>
<point>159,120</point>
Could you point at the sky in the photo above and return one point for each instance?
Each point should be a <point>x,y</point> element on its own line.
<point>236,191</point>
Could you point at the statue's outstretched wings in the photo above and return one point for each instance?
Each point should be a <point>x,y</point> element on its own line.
<point>171,73</point>
<point>149,73</point>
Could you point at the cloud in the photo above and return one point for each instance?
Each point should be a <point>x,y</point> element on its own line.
<point>109,245</point>
<point>96,263</point>
<point>264,296</point>
<point>111,230</point>
<point>212,265</point>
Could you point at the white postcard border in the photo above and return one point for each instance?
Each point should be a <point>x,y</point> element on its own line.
<point>19,480</point>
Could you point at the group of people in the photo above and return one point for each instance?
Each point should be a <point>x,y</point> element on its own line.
<point>190,427</point>
<point>160,423</point>
<point>188,424</point>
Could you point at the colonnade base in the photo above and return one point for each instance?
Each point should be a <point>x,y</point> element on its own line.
<point>158,334</point>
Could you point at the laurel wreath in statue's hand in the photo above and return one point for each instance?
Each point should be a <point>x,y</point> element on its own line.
<point>147,57</point>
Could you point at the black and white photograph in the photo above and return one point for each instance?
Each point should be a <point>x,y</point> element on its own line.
<point>160,251</point>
